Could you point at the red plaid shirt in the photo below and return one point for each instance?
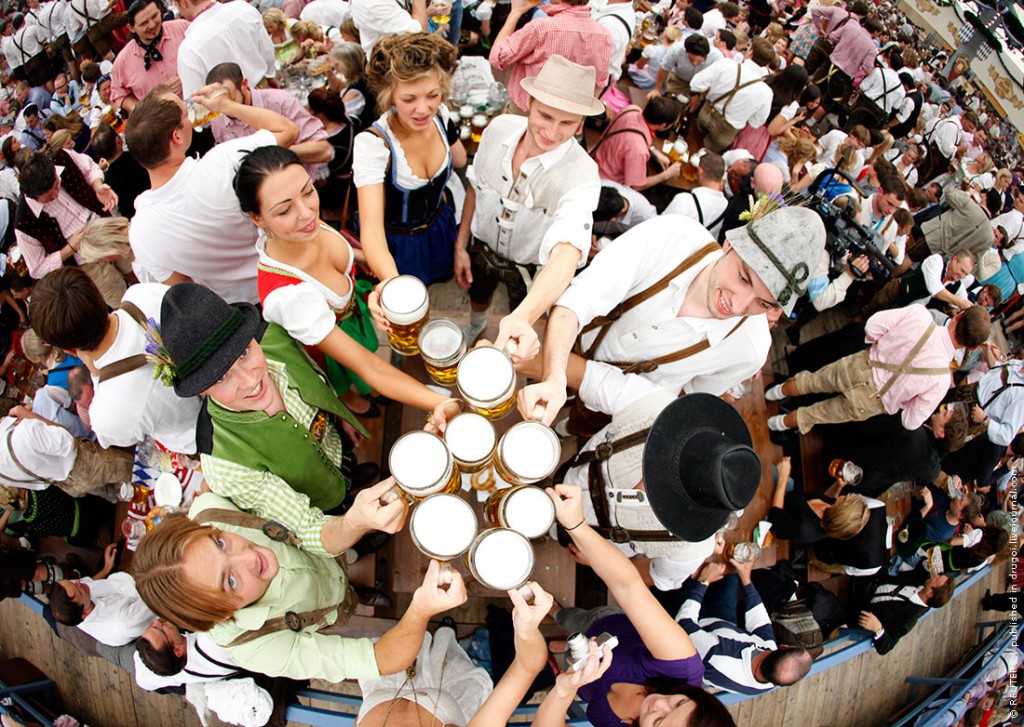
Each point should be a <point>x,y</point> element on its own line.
<point>569,32</point>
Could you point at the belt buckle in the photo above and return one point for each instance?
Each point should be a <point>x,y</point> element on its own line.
<point>293,621</point>
<point>604,450</point>
<point>619,535</point>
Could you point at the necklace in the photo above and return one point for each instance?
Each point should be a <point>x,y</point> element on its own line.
<point>410,674</point>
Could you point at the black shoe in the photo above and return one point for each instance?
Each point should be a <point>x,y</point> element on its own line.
<point>372,597</point>
<point>364,474</point>
<point>371,543</point>
<point>986,604</point>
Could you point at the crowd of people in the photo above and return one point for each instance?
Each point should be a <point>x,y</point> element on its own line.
<point>203,203</point>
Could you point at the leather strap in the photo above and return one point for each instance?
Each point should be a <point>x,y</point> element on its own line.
<point>131,363</point>
<point>1005,378</point>
<point>728,95</point>
<point>604,322</point>
<point>647,366</point>
<point>299,622</point>
<point>604,527</point>
<point>905,367</point>
<point>271,528</point>
<point>609,133</point>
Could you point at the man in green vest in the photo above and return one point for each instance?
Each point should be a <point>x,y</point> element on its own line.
<point>267,436</point>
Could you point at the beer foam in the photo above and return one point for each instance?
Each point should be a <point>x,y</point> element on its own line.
<point>404,299</point>
<point>485,373</point>
<point>529,511</point>
<point>445,525</point>
<point>530,450</point>
<point>503,559</point>
<point>418,460</point>
<point>470,436</point>
<point>440,341</point>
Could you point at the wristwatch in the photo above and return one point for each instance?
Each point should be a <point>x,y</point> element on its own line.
<point>704,582</point>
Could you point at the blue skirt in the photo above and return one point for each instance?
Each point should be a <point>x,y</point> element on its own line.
<point>429,254</point>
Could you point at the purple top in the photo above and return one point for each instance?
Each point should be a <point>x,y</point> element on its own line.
<point>633,664</point>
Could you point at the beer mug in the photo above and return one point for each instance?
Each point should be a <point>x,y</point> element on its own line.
<point>526,509</point>
<point>501,559</point>
<point>443,527</point>
<point>527,453</point>
<point>486,379</point>
<point>442,345</point>
<point>471,439</point>
<point>406,305</point>
<point>422,465</point>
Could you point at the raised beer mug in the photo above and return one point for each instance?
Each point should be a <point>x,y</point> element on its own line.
<point>486,378</point>
<point>442,345</point>
<point>526,509</point>
<point>527,453</point>
<point>422,465</point>
<point>471,439</point>
<point>406,305</point>
<point>501,559</point>
<point>442,527</point>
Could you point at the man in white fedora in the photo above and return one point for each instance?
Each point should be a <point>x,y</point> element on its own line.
<point>664,306</point>
<point>530,203</point>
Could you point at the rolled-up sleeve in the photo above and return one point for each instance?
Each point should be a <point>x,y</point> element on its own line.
<point>607,389</point>
<point>573,220</point>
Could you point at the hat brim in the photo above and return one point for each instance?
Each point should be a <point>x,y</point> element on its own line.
<point>217,365</point>
<point>593,108</point>
<point>672,504</point>
<point>754,257</point>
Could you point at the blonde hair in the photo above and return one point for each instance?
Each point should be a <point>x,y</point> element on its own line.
<point>1004,173</point>
<point>984,163</point>
<point>38,350</point>
<point>845,519</point>
<point>800,149</point>
<point>673,33</point>
<point>303,29</point>
<point>60,139</point>
<point>408,58</point>
<point>350,60</point>
<point>104,237</point>
<point>274,19</point>
<point>159,570</point>
<point>774,31</point>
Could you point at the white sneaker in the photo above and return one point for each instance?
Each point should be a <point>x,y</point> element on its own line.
<point>775,393</point>
<point>777,423</point>
<point>472,333</point>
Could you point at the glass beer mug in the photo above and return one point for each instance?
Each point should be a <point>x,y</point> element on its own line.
<point>422,465</point>
<point>486,378</point>
<point>527,453</point>
<point>442,345</point>
<point>500,559</point>
<point>471,439</point>
<point>442,527</point>
<point>406,305</point>
<point>526,509</point>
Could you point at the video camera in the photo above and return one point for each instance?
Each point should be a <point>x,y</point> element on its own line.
<point>845,238</point>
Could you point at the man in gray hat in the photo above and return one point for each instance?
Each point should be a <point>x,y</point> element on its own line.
<point>530,203</point>
<point>664,306</point>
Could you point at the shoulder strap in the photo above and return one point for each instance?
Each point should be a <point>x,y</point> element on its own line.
<point>232,668</point>
<point>696,203</point>
<point>1006,385</point>
<point>905,367</point>
<point>839,25</point>
<point>629,33</point>
<point>379,133</point>
<point>17,462</point>
<point>728,95</point>
<point>297,622</point>
<point>647,366</point>
<point>272,529</point>
<point>131,363</point>
<point>605,321</point>
<point>608,133</point>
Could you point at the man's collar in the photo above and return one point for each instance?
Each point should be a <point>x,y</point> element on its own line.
<point>547,159</point>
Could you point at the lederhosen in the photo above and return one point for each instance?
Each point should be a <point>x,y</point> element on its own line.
<point>291,621</point>
<point>584,422</point>
<point>901,130</point>
<point>871,112</point>
<point>937,162</point>
<point>36,69</point>
<point>98,31</point>
<point>818,55</point>
<point>968,395</point>
<point>45,227</point>
<point>717,131</point>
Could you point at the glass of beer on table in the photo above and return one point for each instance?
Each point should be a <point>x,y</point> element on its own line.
<point>526,509</point>
<point>442,527</point>
<point>486,378</point>
<point>527,453</point>
<point>500,559</point>
<point>422,465</point>
<point>442,345</point>
<point>471,439</point>
<point>406,305</point>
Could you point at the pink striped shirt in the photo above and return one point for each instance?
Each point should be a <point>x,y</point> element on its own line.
<point>892,334</point>
<point>569,31</point>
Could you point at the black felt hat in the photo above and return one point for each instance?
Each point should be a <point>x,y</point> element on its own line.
<point>204,335</point>
<point>699,466</point>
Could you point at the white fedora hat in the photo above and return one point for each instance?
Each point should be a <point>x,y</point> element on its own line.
<point>566,86</point>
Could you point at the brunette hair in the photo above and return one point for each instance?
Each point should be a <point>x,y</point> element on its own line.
<point>256,166</point>
<point>330,105</point>
<point>228,71</point>
<point>956,430</point>
<point>37,175</point>
<point>845,519</point>
<point>973,328</point>
<point>149,128</point>
<point>941,595</point>
<point>64,610</point>
<point>159,570</point>
<point>708,711</point>
<point>763,52</point>
<point>163,662</point>
<point>68,310</point>
<point>407,58</point>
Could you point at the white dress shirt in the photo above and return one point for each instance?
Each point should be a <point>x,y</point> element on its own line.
<point>750,106</point>
<point>74,16</point>
<point>946,133</point>
<point>45,450</point>
<point>119,614</point>
<point>933,269</point>
<point>231,31</point>
<point>28,42</point>
<point>712,206</point>
<point>883,87</point>
<point>624,17</point>
<point>206,661</point>
<point>630,264</point>
<point>50,19</point>
<point>535,228</point>
<point>1006,411</point>
<point>377,18</point>
<point>331,13</point>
